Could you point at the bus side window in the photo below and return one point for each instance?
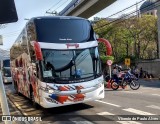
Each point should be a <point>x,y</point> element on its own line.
<point>31,31</point>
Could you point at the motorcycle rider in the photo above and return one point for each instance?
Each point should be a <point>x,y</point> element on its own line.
<point>118,73</point>
<point>115,73</point>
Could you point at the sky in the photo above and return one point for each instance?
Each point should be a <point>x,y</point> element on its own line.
<point>27,9</point>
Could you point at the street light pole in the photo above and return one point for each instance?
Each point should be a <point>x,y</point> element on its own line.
<point>158,21</point>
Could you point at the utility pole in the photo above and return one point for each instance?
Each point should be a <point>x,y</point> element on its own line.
<point>158,21</point>
<point>137,10</point>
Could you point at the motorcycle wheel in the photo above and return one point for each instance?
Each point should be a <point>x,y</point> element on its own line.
<point>114,85</point>
<point>134,85</point>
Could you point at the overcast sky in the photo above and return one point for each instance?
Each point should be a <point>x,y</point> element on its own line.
<point>31,8</point>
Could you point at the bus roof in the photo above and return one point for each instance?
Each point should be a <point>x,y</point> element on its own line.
<point>56,17</point>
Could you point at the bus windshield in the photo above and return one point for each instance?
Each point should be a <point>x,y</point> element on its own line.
<point>6,63</point>
<point>70,65</point>
<point>63,30</point>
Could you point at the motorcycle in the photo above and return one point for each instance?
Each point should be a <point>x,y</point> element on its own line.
<point>125,79</point>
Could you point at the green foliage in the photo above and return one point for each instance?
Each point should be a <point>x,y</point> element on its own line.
<point>102,48</point>
<point>134,37</point>
<point>105,58</point>
<point>102,51</point>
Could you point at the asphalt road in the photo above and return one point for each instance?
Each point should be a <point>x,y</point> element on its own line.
<point>126,104</point>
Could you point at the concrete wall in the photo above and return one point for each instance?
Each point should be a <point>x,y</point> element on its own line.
<point>151,66</point>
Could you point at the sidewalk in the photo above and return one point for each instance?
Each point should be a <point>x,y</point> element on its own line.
<point>149,80</point>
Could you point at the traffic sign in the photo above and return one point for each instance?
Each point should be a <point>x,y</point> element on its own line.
<point>127,61</point>
<point>109,62</point>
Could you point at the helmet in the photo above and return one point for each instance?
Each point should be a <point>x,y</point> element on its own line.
<point>120,67</point>
<point>115,65</point>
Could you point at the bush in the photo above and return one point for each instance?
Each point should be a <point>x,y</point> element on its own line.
<point>105,58</point>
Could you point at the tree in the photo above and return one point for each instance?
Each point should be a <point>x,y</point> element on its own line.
<point>132,37</point>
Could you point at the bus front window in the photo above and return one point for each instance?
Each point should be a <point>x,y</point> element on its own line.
<point>70,65</point>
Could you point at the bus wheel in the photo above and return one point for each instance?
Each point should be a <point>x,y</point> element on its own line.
<point>33,99</point>
<point>16,87</point>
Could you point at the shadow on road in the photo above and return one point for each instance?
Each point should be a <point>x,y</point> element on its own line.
<point>154,83</point>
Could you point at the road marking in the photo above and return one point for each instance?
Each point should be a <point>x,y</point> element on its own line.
<point>79,120</point>
<point>18,106</point>
<point>154,107</point>
<point>137,111</point>
<point>129,122</point>
<point>105,113</point>
<point>121,122</point>
<point>156,94</point>
<point>107,103</point>
<point>30,109</point>
<point>130,92</point>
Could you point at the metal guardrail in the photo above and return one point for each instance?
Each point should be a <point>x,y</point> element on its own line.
<point>3,100</point>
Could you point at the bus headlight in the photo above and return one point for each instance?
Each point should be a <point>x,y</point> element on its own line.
<point>50,91</point>
<point>99,85</point>
<point>5,80</point>
<point>6,74</point>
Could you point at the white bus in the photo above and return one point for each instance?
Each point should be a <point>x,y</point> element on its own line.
<point>55,62</point>
<point>6,71</point>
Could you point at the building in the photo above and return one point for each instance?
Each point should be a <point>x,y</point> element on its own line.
<point>149,7</point>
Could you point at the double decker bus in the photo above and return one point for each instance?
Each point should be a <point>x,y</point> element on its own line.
<point>55,62</point>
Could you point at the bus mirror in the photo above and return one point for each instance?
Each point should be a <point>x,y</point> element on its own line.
<point>96,53</point>
<point>38,51</point>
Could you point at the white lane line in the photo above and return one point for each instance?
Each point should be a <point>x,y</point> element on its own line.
<point>137,111</point>
<point>153,106</point>
<point>79,120</point>
<point>121,122</point>
<point>156,94</point>
<point>107,103</point>
<point>18,106</point>
<point>130,92</point>
<point>128,122</point>
<point>105,113</point>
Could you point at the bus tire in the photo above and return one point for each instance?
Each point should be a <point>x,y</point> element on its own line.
<point>35,105</point>
<point>16,87</point>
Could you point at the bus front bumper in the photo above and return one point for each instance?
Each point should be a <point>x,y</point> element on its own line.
<point>56,101</point>
<point>7,79</point>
